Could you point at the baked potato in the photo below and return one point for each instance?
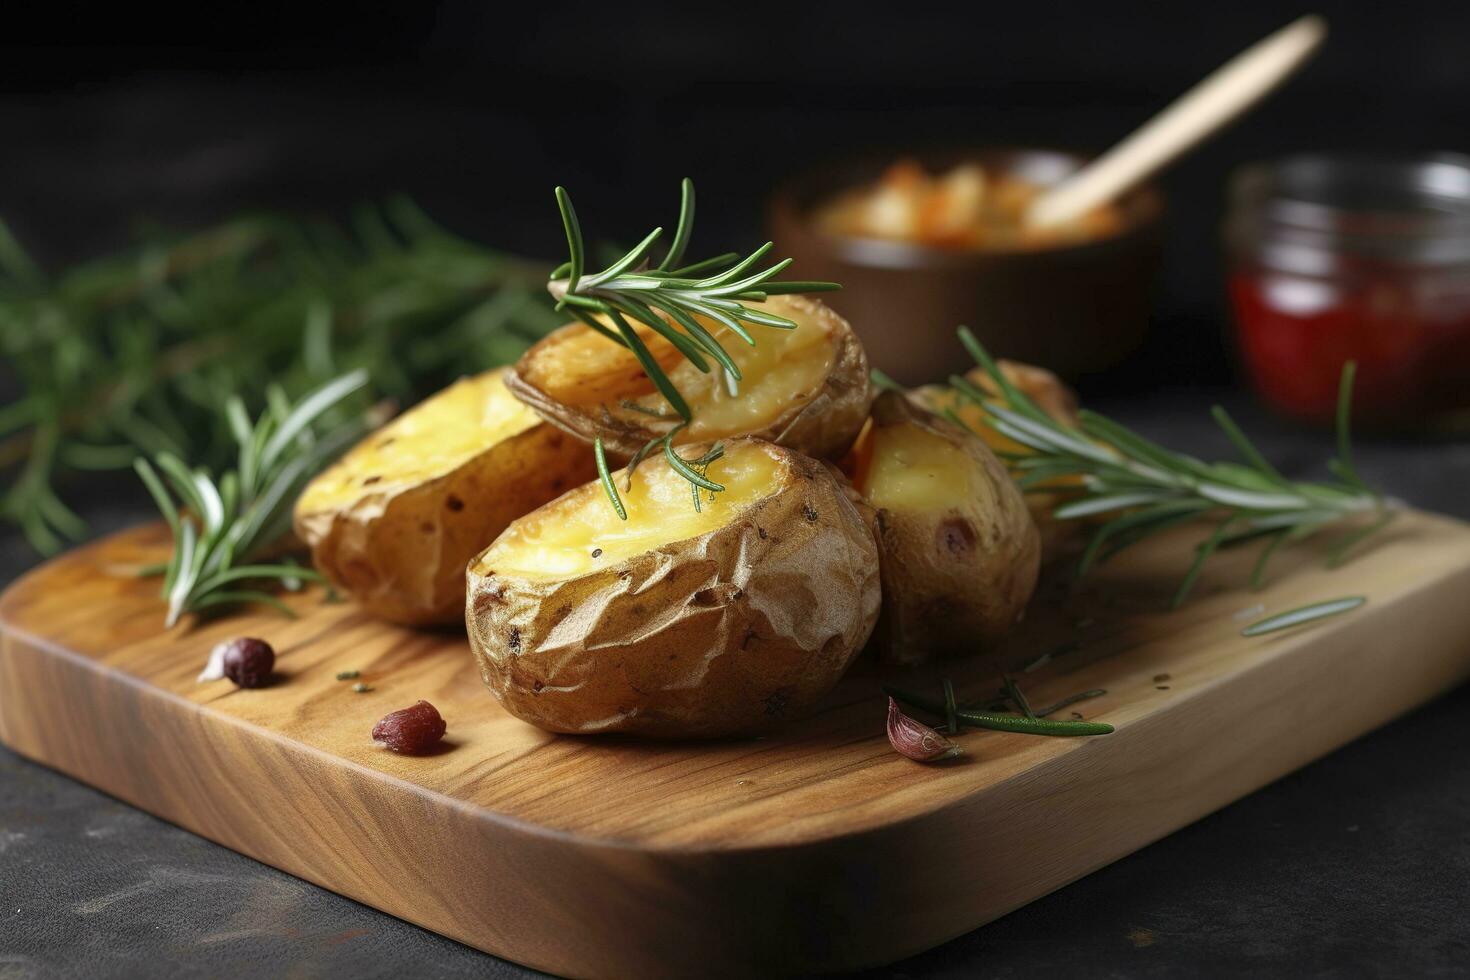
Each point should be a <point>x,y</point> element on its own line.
<point>806,388</point>
<point>1052,396</point>
<point>959,551</point>
<point>678,622</point>
<point>396,519</point>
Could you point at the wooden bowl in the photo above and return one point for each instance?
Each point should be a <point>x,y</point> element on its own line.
<point>1075,309</point>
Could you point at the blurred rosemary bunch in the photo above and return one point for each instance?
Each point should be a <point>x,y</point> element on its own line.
<point>142,352</point>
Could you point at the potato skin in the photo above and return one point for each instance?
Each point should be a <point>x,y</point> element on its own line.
<point>958,577</point>
<point>401,552</point>
<point>823,426</point>
<point>1052,395</point>
<point>726,633</point>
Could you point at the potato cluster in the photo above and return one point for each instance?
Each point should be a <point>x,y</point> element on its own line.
<point>698,614</point>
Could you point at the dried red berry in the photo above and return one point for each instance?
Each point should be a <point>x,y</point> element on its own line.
<point>248,661</point>
<point>411,730</point>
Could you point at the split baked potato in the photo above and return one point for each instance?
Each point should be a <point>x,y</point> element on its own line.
<point>959,551</point>
<point>806,388</point>
<point>396,519</point>
<point>1053,397</point>
<point>678,622</point>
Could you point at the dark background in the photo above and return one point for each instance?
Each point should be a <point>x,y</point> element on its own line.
<point>1358,865</point>
<point>477,109</point>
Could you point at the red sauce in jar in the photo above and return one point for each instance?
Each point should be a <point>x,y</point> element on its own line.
<point>1324,273</point>
<point>1296,334</point>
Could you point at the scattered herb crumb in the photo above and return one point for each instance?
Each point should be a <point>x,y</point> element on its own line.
<point>1160,678</point>
<point>361,688</point>
<point>1306,614</point>
<point>348,675</point>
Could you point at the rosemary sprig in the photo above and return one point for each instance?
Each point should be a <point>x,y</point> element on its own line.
<point>1147,488</point>
<point>1022,724</point>
<point>221,525</point>
<point>668,299</point>
<point>138,352</point>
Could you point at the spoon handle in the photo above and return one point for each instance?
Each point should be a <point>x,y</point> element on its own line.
<point>1215,101</point>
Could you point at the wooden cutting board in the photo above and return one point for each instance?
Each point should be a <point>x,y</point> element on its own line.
<point>815,848</point>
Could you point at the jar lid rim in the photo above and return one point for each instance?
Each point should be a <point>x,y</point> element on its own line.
<point>1361,194</point>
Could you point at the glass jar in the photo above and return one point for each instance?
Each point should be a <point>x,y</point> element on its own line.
<point>1365,259</point>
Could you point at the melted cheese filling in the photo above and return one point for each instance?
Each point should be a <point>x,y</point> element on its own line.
<point>424,443</point>
<point>581,531</point>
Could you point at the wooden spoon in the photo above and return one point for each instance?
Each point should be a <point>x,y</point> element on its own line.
<point>1222,96</point>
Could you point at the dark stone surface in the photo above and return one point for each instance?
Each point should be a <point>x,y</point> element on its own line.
<point>1358,865</point>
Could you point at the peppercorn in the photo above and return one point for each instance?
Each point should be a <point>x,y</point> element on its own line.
<point>248,661</point>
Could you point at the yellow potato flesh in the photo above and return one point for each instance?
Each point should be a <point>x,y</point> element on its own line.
<point>784,368</point>
<point>558,540</point>
<point>915,470</point>
<point>425,442</point>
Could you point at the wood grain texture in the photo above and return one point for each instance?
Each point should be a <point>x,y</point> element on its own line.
<point>815,848</point>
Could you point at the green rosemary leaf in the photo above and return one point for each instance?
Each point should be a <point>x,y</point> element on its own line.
<point>651,367</point>
<point>1102,504</point>
<point>639,457</point>
<point>1128,538</point>
<point>729,275</point>
<point>160,496</point>
<point>1013,691</point>
<point>765,319</point>
<point>744,286</point>
<point>1258,571</point>
<point>241,596</point>
<point>1346,469</point>
<point>1304,614</point>
<point>592,322</point>
<point>1070,700</point>
<point>1146,518</point>
<point>1130,443</point>
<point>884,383</point>
<point>605,475</point>
<point>707,340</point>
<point>307,412</point>
<point>683,469</point>
<point>574,238</point>
<point>1202,555</point>
<point>1013,397</point>
<point>14,261</point>
<point>685,227</point>
<point>689,348</point>
<point>707,265</point>
<point>786,288</point>
<point>1245,447</point>
<point>1339,553</point>
<point>247,572</point>
<point>622,265</point>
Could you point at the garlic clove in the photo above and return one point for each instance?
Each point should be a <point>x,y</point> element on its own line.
<point>916,740</point>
